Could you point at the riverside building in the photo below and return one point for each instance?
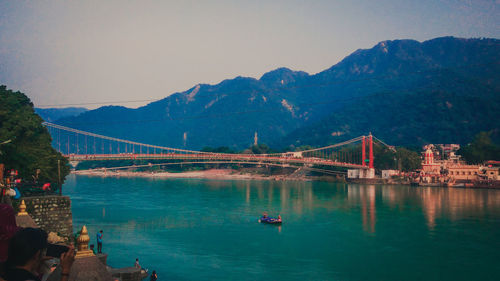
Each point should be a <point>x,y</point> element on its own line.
<point>440,164</point>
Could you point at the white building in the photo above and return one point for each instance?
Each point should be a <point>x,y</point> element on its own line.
<point>387,174</point>
<point>361,173</point>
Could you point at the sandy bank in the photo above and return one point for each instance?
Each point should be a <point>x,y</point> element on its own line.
<point>206,174</point>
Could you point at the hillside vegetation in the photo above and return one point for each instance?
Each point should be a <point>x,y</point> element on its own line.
<point>403,91</point>
<point>25,143</point>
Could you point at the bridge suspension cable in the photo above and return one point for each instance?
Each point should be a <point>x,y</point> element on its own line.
<point>392,148</point>
<point>68,129</point>
<point>343,154</point>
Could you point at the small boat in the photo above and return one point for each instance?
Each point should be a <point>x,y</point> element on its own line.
<point>270,220</point>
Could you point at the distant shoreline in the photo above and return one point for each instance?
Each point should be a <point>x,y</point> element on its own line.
<point>225,174</point>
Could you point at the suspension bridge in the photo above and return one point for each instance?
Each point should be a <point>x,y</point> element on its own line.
<point>77,146</point>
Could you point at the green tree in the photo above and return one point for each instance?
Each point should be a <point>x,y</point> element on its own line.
<point>30,147</point>
<point>220,149</point>
<point>403,159</point>
<point>384,158</point>
<point>303,147</point>
<point>261,148</point>
<point>480,149</point>
<point>408,160</point>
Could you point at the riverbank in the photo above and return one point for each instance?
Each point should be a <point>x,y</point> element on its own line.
<point>224,174</point>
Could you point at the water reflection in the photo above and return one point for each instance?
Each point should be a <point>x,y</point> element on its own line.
<point>457,204</point>
<point>434,203</point>
<point>204,201</point>
<point>208,229</point>
<point>247,192</point>
<point>364,196</point>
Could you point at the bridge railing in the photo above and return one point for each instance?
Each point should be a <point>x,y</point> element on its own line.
<point>82,146</point>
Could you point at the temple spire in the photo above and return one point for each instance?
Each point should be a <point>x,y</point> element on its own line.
<point>22,209</point>
<point>82,244</point>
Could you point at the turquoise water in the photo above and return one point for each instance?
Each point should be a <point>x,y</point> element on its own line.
<point>190,229</point>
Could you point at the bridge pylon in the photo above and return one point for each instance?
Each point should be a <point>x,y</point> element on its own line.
<point>120,149</point>
<point>370,141</point>
<point>363,152</point>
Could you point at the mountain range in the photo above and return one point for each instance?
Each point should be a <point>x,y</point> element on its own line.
<point>403,91</point>
<point>54,114</point>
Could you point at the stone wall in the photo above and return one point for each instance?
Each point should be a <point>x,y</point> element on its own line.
<point>128,273</point>
<point>52,214</point>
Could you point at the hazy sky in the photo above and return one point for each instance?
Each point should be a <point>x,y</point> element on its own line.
<point>71,52</point>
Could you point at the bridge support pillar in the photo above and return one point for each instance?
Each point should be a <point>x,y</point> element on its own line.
<point>370,141</point>
<point>363,152</point>
<point>361,173</point>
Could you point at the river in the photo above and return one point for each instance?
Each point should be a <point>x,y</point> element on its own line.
<point>198,229</point>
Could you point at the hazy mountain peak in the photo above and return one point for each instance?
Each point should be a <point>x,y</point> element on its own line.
<point>405,55</point>
<point>52,114</point>
<point>193,92</point>
<point>282,76</point>
<point>283,100</point>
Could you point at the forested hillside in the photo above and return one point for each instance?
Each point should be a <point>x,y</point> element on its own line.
<point>25,145</point>
<point>447,109</point>
<point>405,91</point>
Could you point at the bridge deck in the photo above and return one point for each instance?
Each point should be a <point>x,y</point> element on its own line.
<point>212,157</point>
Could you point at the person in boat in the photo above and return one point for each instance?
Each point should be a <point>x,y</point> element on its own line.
<point>279,217</point>
<point>264,215</point>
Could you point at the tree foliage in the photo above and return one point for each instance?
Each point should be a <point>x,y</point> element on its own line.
<point>30,147</point>
<point>408,160</point>
<point>302,148</point>
<point>480,149</point>
<point>261,148</point>
<point>444,90</point>
<point>220,149</point>
<point>402,159</point>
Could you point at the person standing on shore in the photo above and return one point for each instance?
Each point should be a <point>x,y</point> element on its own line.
<point>99,242</point>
